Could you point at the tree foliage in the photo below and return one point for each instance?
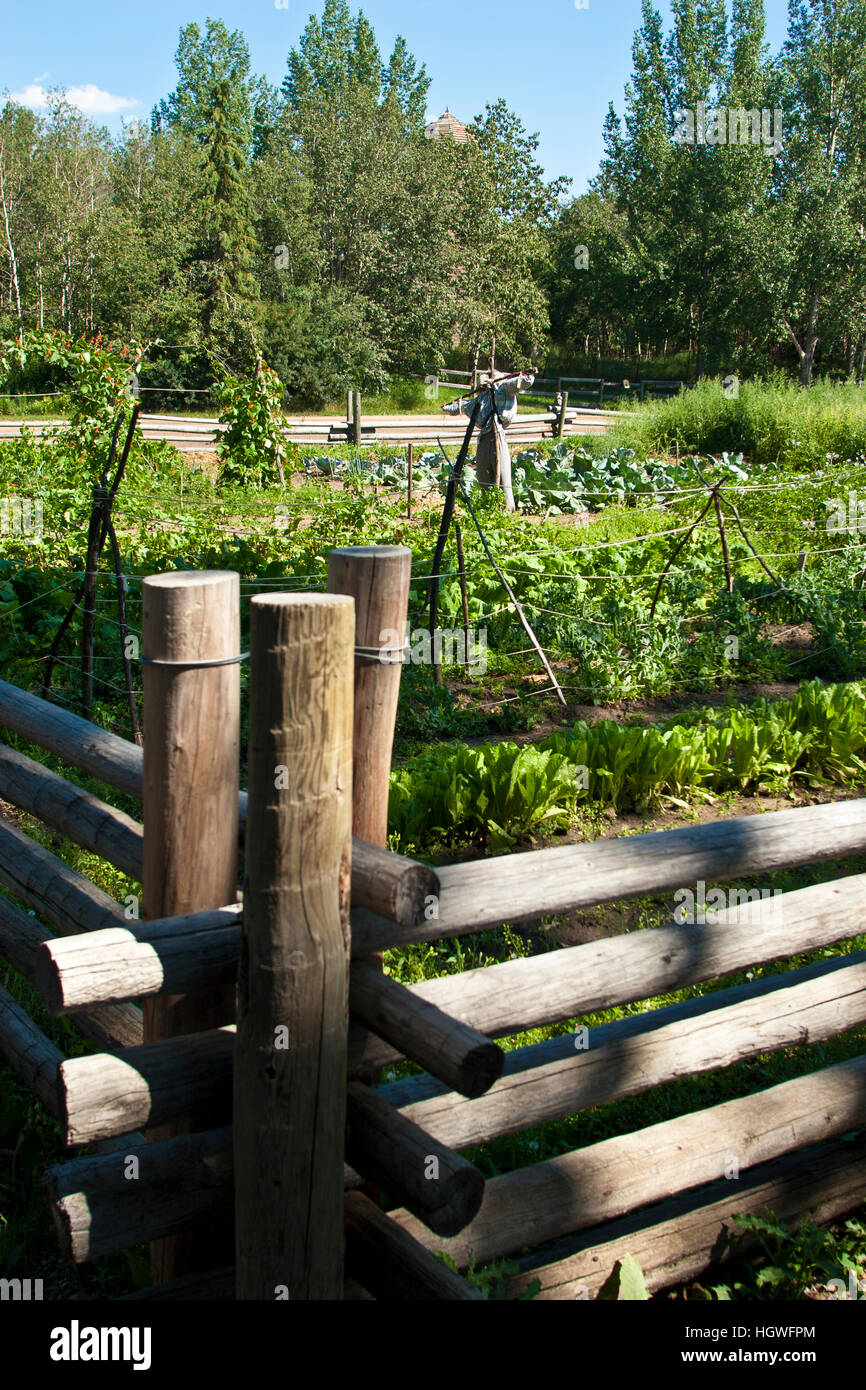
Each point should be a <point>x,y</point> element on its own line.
<point>315,219</point>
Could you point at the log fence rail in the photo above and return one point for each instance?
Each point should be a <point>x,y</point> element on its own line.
<point>257,1133</point>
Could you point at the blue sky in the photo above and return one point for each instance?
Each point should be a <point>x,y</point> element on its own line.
<point>556,65</point>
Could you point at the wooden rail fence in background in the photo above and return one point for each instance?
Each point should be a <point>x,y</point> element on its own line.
<point>190,433</point>
<point>254,1136</point>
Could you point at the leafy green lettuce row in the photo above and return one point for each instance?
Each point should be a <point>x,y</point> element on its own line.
<point>499,793</point>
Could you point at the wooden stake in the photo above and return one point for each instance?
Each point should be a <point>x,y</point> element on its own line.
<point>461,566</point>
<point>290,1060</point>
<point>764,566</point>
<point>411,465</point>
<point>356,417</point>
<point>729,578</point>
<point>190,802</point>
<point>445,523</point>
<point>95,537</point>
<point>673,555</point>
<point>517,604</point>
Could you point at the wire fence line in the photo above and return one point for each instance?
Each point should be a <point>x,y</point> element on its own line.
<point>294,583</point>
<point>547,577</point>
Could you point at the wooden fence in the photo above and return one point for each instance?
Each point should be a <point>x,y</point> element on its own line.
<point>188,434</point>
<point>235,1105</point>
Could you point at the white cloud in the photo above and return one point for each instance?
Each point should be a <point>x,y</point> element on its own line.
<point>89,98</point>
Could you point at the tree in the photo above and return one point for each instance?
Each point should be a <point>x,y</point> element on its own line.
<point>822,276</point>
<point>229,244</point>
<point>377,196</point>
<point>696,211</point>
<point>506,211</point>
<point>19,135</point>
<point>219,58</point>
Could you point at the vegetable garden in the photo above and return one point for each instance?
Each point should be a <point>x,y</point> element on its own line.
<point>694,678</point>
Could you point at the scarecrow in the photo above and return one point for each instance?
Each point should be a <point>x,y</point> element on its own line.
<point>498,408</point>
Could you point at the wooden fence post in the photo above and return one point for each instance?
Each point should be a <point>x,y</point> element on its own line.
<point>563,407</point>
<point>290,1055</point>
<point>377,578</point>
<point>356,417</point>
<point>190,804</point>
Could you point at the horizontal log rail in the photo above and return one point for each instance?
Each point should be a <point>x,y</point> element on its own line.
<point>30,1054</point>
<point>443,1189</point>
<point>394,1268</point>
<point>632,1055</point>
<point>524,887</point>
<point>189,1077</point>
<point>105,756</point>
<point>459,1055</point>
<point>71,903</point>
<point>41,880</point>
<point>519,994</point>
<point>73,812</point>
<point>112,1026</point>
<point>98,1209</point>
<point>20,938</point>
<point>203,948</point>
<point>389,884</point>
<point>143,1087</point>
<point>145,957</point>
<point>588,1186</point>
<point>171,955</point>
<point>676,1241</point>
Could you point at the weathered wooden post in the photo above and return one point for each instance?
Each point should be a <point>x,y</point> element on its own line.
<point>560,422</point>
<point>377,578</point>
<point>290,1056</point>
<point>410,471</point>
<point>191,680</point>
<point>356,417</point>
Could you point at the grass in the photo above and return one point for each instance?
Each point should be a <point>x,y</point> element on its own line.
<point>767,422</point>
